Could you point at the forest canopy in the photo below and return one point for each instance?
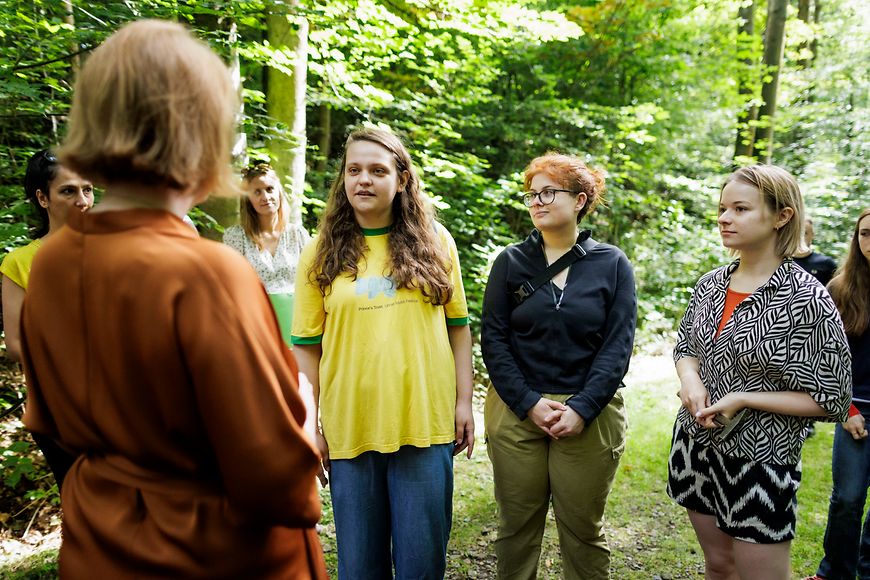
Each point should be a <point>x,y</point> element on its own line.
<point>666,95</point>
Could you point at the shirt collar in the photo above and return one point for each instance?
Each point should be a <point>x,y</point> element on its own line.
<point>779,277</point>
<point>111,222</point>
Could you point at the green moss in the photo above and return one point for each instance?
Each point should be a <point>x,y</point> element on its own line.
<point>38,566</point>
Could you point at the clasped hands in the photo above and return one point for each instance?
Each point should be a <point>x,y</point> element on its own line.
<point>556,419</point>
<point>696,400</point>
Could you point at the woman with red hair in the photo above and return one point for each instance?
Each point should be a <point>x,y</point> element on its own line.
<point>557,349</point>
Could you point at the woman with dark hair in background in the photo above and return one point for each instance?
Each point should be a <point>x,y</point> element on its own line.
<point>847,542</point>
<point>53,191</point>
<point>267,239</point>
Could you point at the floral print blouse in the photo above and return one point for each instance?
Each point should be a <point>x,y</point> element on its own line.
<point>278,271</point>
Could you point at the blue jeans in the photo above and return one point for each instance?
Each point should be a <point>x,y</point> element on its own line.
<point>405,497</point>
<point>847,548</point>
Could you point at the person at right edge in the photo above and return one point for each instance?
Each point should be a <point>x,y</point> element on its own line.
<point>555,419</point>
<point>153,356</point>
<point>847,542</point>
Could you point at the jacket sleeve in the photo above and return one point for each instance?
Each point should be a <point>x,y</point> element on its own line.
<point>684,346</point>
<point>822,365</point>
<point>244,380</point>
<point>495,342</point>
<point>611,360</point>
<point>37,413</point>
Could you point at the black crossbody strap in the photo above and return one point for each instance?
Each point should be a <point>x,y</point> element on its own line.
<point>577,252</point>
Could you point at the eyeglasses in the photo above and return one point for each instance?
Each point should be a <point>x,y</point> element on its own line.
<point>545,196</point>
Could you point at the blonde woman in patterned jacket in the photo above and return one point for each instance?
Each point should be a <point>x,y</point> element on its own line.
<point>761,350</point>
<point>268,240</point>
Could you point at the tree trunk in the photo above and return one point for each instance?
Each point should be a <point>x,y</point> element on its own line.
<point>324,141</point>
<point>285,98</point>
<point>817,14</point>
<point>225,210</point>
<point>69,18</point>
<point>749,114</point>
<point>804,15</point>
<point>774,40</point>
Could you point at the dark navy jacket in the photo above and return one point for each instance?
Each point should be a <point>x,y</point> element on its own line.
<point>581,348</point>
<point>822,267</point>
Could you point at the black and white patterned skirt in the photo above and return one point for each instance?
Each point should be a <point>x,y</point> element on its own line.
<point>754,502</point>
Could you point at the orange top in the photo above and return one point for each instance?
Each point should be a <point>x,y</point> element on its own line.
<point>155,357</point>
<point>732,299</point>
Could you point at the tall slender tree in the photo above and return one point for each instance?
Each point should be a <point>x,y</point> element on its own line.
<point>69,18</point>
<point>817,14</point>
<point>285,96</point>
<point>746,83</point>
<point>225,211</point>
<point>774,41</point>
<point>804,16</point>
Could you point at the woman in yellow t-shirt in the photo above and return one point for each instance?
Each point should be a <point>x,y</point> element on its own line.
<point>380,328</point>
<point>54,191</point>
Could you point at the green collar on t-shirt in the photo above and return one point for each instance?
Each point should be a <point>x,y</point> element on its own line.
<point>376,231</point>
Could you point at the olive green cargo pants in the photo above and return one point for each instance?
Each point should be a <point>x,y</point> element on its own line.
<point>577,472</point>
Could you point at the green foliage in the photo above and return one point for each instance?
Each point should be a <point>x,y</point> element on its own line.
<point>38,566</point>
<point>16,463</point>
<point>646,90</point>
<point>24,472</point>
<point>824,134</point>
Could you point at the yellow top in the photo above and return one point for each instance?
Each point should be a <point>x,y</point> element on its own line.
<point>387,375</point>
<point>16,264</point>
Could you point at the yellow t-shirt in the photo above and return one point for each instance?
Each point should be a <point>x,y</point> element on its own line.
<point>16,264</point>
<point>387,375</point>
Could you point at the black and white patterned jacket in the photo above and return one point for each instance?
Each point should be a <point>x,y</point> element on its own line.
<point>785,336</point>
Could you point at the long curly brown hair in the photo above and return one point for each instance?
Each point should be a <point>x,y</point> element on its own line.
<point>417,258</point>
<point>850,288</point>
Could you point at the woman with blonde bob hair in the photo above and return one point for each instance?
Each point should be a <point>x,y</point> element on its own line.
<point>380,328</point>
<point>152,355</point>
<point>267,239</point>
<point>556,353</point>
<point>760,352</point>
